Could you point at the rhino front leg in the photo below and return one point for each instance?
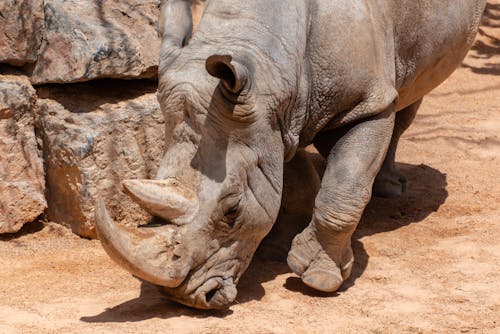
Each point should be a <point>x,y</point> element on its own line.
<point>322,253</point>
<point>389,181</point>
<point>301,183</point>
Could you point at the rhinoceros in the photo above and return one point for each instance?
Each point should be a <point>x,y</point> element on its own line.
<point>243,95</point>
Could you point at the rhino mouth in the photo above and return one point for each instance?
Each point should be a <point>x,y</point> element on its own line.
<point>215,293</point>
<point>210,286</point>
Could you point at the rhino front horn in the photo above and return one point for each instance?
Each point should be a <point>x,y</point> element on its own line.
<point>145,253</point>
<point>166,199</point>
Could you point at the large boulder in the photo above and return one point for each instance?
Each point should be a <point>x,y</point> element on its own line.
<point>21,168</point>
<point>92,39</point>
<point>94,136</point>
<point>21,31</point>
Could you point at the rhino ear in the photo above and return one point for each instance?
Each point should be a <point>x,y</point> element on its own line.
<point>233,75</point>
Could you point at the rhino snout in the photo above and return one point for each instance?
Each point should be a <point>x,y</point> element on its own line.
<point>172,256</point>
<point>215,293</point>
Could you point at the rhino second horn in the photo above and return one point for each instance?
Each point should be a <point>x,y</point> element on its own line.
<point>143,253</point>
<point>176,22</point>
<point>166,199</point>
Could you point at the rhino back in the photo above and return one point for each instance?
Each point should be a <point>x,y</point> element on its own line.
<point>346,50</point>
<point>415,44</point>
<point>356,49</point>
<point>431,39</point>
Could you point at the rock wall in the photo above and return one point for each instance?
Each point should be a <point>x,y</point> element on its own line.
<point>70,131</point>
<point>62,146</point>
<point>21,27</point>
<point>22,182</point>
<point>93,141</point>
<point>63,41</point>
<point>98,39</point>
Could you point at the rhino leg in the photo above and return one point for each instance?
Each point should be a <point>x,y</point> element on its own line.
<point>301,183</point>
<point>322,253</point>
<point>389,181</point>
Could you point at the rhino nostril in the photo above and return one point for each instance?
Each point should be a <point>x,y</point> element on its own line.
<point>221,294</point>
<point>210,295</point>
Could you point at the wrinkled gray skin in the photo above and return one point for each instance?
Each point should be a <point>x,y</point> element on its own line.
<point>257,82</point>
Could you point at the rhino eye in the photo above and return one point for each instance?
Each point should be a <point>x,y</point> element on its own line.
<point>231,214</point>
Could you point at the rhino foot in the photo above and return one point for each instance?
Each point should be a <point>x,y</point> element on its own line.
<point>389,184</point>
<point>316,268</point>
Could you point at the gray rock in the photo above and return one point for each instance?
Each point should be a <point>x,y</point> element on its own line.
<point>21,29</point>
<point>21,168</point>
<point>91,39</point>
<point>94,136</point>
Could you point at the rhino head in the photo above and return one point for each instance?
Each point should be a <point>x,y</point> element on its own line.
<point>218,189</point>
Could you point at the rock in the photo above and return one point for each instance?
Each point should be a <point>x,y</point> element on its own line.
<point>21,168</point>
<point>94,136</point>
<point>21,28</point>
<point>92,39</point>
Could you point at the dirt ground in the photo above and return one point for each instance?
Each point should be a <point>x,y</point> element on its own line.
<point>428,262</point>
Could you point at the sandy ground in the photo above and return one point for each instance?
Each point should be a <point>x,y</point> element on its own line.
<point>428,262</point>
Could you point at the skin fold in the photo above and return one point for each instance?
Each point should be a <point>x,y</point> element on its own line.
<point>243,94</point>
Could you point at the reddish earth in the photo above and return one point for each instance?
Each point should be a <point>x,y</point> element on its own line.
<point>426,262</point>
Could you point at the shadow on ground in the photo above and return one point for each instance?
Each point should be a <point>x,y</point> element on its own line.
<point>488,45</point>
<point>28,228</point>
<point>426,193</point>
<point>151,303</point>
